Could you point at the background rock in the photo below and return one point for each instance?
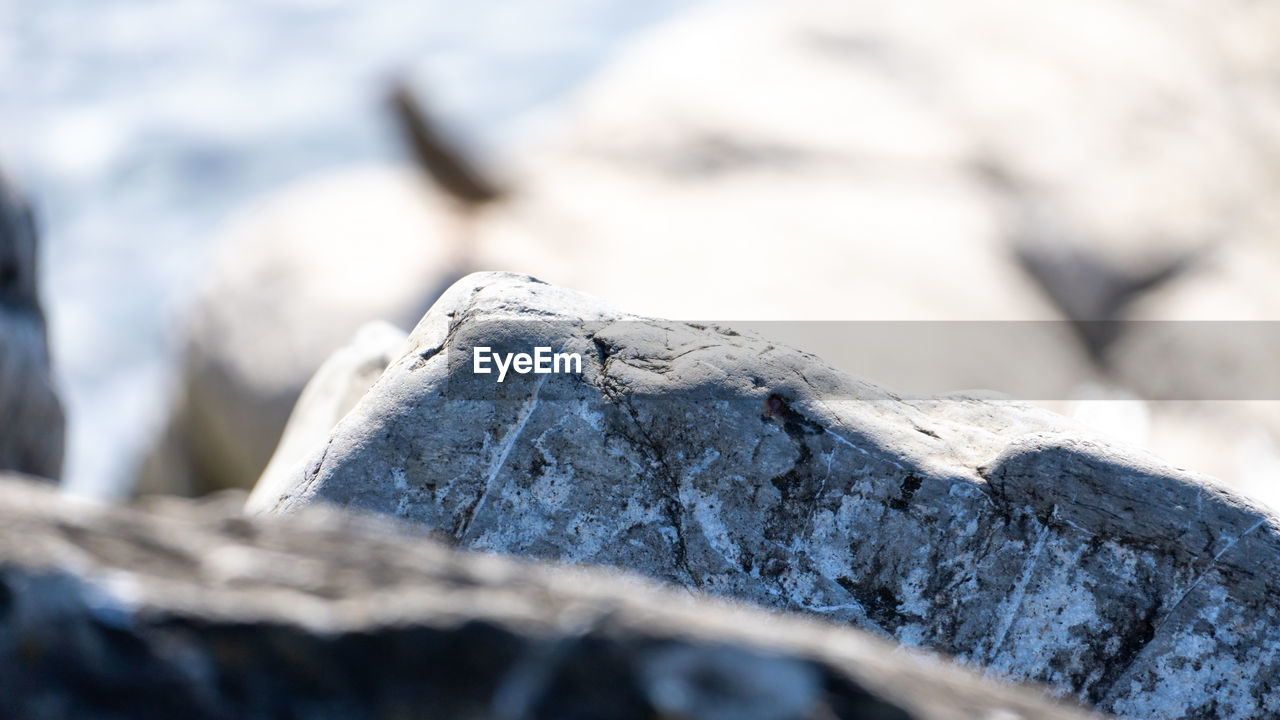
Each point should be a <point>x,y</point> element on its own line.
<point>31,420</point>
<point>293,281</point>
<point>194,611</point>
<point>1104,140</point>
<point>986,529</point>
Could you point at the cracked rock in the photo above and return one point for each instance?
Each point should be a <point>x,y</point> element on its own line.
<point>985,529</point>
<point>31,419</point>
<point>190,610</point>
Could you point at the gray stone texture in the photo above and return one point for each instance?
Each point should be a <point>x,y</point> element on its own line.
<point>981,528</point>
<point>184,610</point>
<point>31,419</point>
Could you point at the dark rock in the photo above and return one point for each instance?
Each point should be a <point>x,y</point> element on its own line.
<point>986,529</point>
<point>31,419</point>
<point>193,611</point>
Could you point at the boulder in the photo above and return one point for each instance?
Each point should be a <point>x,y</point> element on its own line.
<point>32,425</point>
<point>986,529</point>
<point>291,282</point>
<point>191,610</point>
<point>1101,142</point>
<point>335,388</point>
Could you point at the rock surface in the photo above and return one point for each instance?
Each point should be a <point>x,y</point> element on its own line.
<point>192,611</point>
<point>31,420</point>
<point>292,281</point>
<point>989,530</point>
<point>336,387</point>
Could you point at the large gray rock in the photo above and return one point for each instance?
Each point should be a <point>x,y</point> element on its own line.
<point>195,612</point>
<point>989,530</point>
<point>31,419</point>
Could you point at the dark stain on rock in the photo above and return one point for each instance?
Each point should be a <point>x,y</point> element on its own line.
<point>909,487</point>
<point>537,466</point>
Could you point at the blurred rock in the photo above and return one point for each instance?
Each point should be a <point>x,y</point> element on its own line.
<point>772,162</point>
<point>193,611</point>
<point>744,164</point>
<point>990,530</point>
<point>335,388</point>
<point>292,282</point>
<point>31,420</point>
<point>1105,139</point>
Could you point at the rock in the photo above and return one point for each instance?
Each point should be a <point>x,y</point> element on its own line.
<point>1103,140</point>
<point>32,426</point>
<point>336,387</point>
<point>292,282</point>
<point>187,610</point>
<point>985,529</point>
<point>734,155</point>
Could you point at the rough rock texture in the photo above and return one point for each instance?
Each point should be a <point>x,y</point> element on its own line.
<point>31,419</point>
<point>292,282</point>
<point>336,387</point>
<point>986,529</point>
<point>195,612</point>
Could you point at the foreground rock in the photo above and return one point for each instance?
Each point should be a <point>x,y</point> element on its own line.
<point>989,530</point>
<point>31,420</point>
<point>195,612</point>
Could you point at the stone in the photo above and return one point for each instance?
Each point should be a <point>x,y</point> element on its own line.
<point>32,425</point>
<point>335,388</point>
<point>987,529</point>
<point>291,282</point>
<point>183,609</point>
